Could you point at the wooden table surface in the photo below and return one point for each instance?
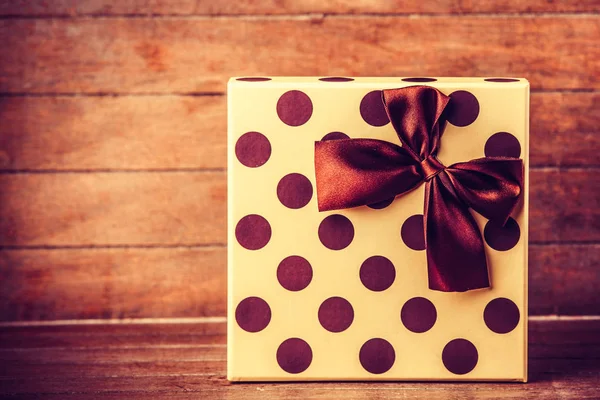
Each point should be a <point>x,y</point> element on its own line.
<point>186,359</point>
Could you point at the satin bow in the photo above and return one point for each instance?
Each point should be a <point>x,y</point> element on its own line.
<point>356,172</point>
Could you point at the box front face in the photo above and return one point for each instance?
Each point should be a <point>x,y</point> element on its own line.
<point>346,297</point>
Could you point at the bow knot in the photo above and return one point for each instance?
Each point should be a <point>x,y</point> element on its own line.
<point>431,167</point>
<point>356,172</point>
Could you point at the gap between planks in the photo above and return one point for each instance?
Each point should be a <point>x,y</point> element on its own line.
<point>223,320</point>
<point>115,171</point>
<point>124,321</point>
<point>158,246</point>
<point>219,94</point>
<point>548,168</point>
<point>306,16</point>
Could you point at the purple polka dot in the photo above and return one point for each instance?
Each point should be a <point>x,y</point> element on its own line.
<point>294,273</point>
<point>501,315</point>
<point>253,314</point>
<point>381,204</point>
<point>253,232</point>
<point>372,109</point>
<point>294,108</point>
<point>418,315</point>
<point>377,273</point>
<point>412,232</point>
<point>500,237</point>
<point>460,356</point>
<point>294,355</point>
<point>377,356</point>
<point>501,80</point>
<point>336,232</point>
<point>463,108</point>
<point>294,191</point>
<point>253,79</point>
<point>502,144</point>
<point>336,79</point>
<point>419,79</point>
<point>336,314</point>
<point>335,136</point>
<point>253,149</point>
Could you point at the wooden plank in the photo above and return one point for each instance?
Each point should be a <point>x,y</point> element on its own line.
<point>564,279</point>
<point>84,133</point>
<point>112,209</point>
<point>99,209</point>
<point>576,217</point>
<point>105,334</point>
<point>112,283</point>
<point>564,129</point>
<point>128,283</point>
<point>558,337</point>
<point>192,55</point>
<point>194,7</point>
<point>179,132</point>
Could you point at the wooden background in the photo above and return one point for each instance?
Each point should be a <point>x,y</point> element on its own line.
<point>113,135</point>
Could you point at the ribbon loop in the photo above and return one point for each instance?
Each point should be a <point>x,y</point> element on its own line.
<point>356,172</point>
<point>416,113</point>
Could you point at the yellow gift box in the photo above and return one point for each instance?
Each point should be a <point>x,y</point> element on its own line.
<point>344,294</point>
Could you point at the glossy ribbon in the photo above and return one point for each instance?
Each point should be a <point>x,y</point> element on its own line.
<point>356,172</point>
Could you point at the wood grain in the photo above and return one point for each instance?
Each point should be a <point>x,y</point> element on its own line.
<point>80,334</point>
<point>112,283</point>
<point>176,208</point>
<point>580,383</point>
<point>61,133</point>
<point>99,355</point>
<point>228,7</point>
<point>96,369</point>
<point>112,209</point>
<point>131,369</point>
<point>564,279</point>
<point>191,282</point>
<point>564,205</point>
<point>98,133</point>
<point>184,55</point>
<point>552,388</point>
<point>564,129</point>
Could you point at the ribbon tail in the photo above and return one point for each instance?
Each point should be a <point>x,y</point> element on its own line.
<point>455,251</point>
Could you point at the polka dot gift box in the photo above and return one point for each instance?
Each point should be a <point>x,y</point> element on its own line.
<point>377,229</point>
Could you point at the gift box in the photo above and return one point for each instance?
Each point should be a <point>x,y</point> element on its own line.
<point>377,228</point>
